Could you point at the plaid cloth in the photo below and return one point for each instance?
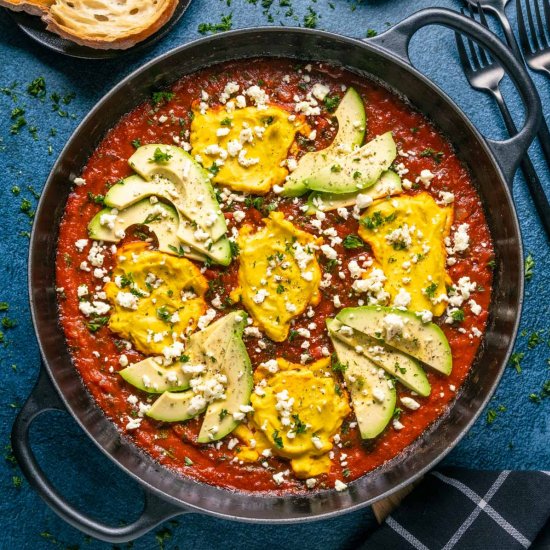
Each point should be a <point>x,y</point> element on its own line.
<point>461,509</point>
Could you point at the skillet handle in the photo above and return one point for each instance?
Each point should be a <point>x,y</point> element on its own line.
<point>43,398</point>
<point>508,152</point>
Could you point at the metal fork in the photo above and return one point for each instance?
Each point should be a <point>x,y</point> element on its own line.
<point>537,50</point>
<point>485,74</point>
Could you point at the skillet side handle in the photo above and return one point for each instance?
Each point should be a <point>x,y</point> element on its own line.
<point>44,398</point>
<point>508,152</point>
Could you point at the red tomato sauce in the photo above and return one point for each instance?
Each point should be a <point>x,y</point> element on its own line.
<point>172,444</point>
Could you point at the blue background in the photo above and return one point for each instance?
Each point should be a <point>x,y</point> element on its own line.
<point>518,437</point>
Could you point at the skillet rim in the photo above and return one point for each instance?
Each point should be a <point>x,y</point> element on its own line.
<point>518,248</point>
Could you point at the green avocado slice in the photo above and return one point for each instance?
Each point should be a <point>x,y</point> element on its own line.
<point>401,366</point>
<point>355,171</point>
<point>194,194</point>
<point>388,185</point>
<point>373,397</point>
<point>351,118</point>
<point>424,341</point>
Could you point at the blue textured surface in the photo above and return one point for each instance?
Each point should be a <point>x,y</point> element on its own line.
<point>518,438</point>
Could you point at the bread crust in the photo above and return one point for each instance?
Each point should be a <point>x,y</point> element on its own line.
<point>32,7</point>
<point>82,23</point>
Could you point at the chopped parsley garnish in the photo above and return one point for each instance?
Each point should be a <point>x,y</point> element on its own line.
<point>515,361</point>
<point>310,18</point>
<point>4,306</point>
<point>430,290</point>
<point>330,265</point>
<point>492,413</point>
<point>96,199</point>
<point>331,102</point>
<point>337,366</point>
<point>160,157</point>
<point>292,335</point>
<point>225,24</point>
<point>376,220</point>
<point>136,143</point>
<point>37,87</point>
<point>223,413</point>
<point>529,267</point>
<point>163,314</point>
<point>126,280</point>
<point>225,122</point>
<point>9,323</point>
<point>457,315</point>
<point>188,461</point>
<point>214,168</point>
<point>280,289</point>
<point>371,33</point>
<point>152,218</point>
<point>278,439</point>
<point>179,251</point>
<point>397,413</point>
<point>184,359</point>
<point>160,98</point>
<point>535,339</point>
<point>234,247</point>
<point>435,155</point>
<point>353,241</point>
<point>95,324</point>
<point>346,472</point>
<point>336,168</point>
<point>299,426</point>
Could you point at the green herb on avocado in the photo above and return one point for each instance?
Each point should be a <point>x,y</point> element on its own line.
<point>160,157</point>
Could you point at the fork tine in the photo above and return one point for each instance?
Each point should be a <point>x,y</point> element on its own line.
<point>541,35</point>
<point>475,61</point>
<point>523,37</point>
<point>485,58</point>
<point>464,60</point>
<point>532,26</point>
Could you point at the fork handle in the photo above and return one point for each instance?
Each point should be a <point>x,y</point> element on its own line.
<point>508,153</point>
<point>531,178</point>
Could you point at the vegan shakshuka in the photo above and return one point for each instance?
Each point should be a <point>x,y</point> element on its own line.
<point>274,276</point>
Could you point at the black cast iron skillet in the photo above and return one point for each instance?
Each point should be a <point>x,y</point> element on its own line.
<point>492,165</point>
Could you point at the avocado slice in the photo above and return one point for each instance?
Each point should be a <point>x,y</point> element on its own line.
<point>150,376</point>
<point>423,341</point>
<point>162,219</point>
<point>175,407</point>
<point>223,352</point>
<point>196,199</point>
<point>355,171</point>
<point>134,188</point>
<point>373,397</point>
<point>219,419</point>
<point>389,184</point>
<point>219,251</point>
<point>351,131</point>
<point>402,367</point>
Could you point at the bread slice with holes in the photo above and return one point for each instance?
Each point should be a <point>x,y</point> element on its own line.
<point>34,7</point>
<point>108,24</point>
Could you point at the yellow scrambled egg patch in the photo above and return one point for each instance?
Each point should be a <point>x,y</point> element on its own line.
<point>278,274</point>
<point>297,412</point>
<point>154,296</point>
<point>406,235</point>
<point>246,145</point>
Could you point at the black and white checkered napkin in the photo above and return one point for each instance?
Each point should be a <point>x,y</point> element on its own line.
<point>461,509</point>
